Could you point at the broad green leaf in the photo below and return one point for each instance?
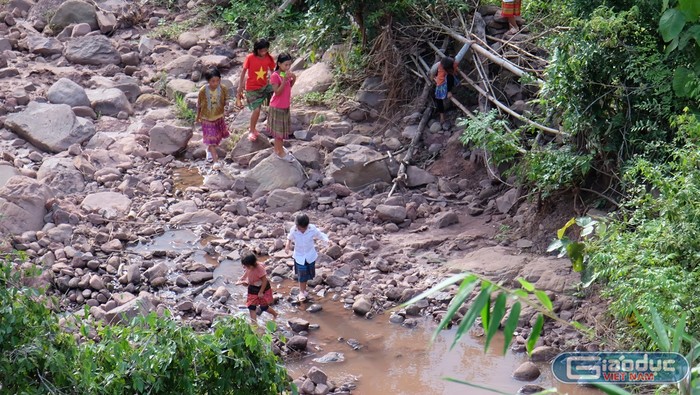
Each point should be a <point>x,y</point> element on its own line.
<point>485,315</point>
<point>465,289</point>
<point>652,334</point>
<point>691,9</point>
<point>439,287</point>
<point>562,231</point>
<point>694,32</point>
<point>671,46</point>
<point>535,334</point>
<point>611,389</point>
<point>499,311</point>
<point>520,293</point>
<point>575,252</point>
<point>555,245</point>
<point>664,343</point>
<point>469,318</point>
<point>588,229</point>
<point>678,333</point>
<point>544,299</point>
<point>671,24</point>
<point>681,81</point>
<point>510,325</point>
<point>526,285</point>
<point>495,391</point>
<point>585,221</point>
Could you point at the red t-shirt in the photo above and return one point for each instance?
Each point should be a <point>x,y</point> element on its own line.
<point>258,69</point>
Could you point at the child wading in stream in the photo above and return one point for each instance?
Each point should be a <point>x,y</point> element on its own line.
<point>211,105</point>
<point>279,117</point>
<point>303,235</point>
<point>259,289</point>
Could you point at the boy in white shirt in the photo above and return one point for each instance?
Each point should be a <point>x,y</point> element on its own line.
<point>303,236</point>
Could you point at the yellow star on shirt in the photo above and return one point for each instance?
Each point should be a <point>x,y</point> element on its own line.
<point>261,74</point>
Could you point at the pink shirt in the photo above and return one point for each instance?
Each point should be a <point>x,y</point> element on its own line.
<point>254,276</point>
<point>284,98</point>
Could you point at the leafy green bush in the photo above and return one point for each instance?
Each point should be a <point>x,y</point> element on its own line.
<point>554,169</point>
<point>154,355</point>
<point>487,131</point>
<point>184,112</point>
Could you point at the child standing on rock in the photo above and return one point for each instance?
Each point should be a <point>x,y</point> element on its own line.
<point>211,105</point>
<point>257,65</point>
<point>445,79</point>
<point>259,289</point>
<point>303,235</point>
<point>279,117</point>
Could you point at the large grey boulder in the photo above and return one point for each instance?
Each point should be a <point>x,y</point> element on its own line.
<point>179,87</point>
<point>129,85</point>
<point>7,172</point>
<point>91,160</point>
<point>199,217</point>
<point>181,66</point>
<point>317,78</point>
<point>348,166</point>
<point>61,175</point>
<point>45,46</point>
<point>108,204</point>
<point>50,127</point>
<point>273,173</point>
<point>73,12</point>
<point>92,50</point>
<point>168,139</point>
<point>125,313</point>
<point>65,91</point>
<point>244,150</point>
<point>23,205</point>
<point>372,92</point>
<point>110,101</point>
<point>287,200</point>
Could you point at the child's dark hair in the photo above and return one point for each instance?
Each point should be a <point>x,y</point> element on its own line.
<point>281,58</point>
<point>302,220</point>
<point>260,44</point>
<point>249,260</point>
<point>448,64</point>
<point>211,73</point>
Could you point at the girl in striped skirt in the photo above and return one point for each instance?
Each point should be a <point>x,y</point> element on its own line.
<point>211,105</point>
<point>278,117</point>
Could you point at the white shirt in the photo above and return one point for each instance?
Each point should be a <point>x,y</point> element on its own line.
<point>304,248</point>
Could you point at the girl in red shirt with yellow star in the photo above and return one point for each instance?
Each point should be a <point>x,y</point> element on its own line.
<point>258,90</point>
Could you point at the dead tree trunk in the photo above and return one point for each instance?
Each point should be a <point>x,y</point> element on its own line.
<point>481,63</point>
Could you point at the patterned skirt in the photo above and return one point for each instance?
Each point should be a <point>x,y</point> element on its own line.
<point>214,131</point>
<point>510,8</point>
<point>279,122</point>
<point>255,300</point>
<point>258,98</point>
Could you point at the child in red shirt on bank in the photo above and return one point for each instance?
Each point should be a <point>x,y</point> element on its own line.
<point>258,91</point>
<point>259,289</point>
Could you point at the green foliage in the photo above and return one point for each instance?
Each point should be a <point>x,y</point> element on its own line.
<point>610,82</point>
<point>183,111</point>
<point>552,169</point>
<point>259,20</point>
<point>154,355</point>
<point>488,132</point>
<point>169,30</point>
<point>680,28</point>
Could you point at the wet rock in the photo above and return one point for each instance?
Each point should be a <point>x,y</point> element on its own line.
<point>361,306</point>
<point>317,375</point>
<point>446,219</point>
<point>287,200</point>
<point>199,277</point>
<point>396,319</point>
<point>298,324</point>
<point>169,139</point>
<point>314,308</point>
<point>330,358</point>
<point>50,127</point>
<point>348,166</point>
<point>543,354</point>
<point>123,314</point>
<point>222,294</point>
<point>530,389</point>
<point>199,217</point>
<point>65,91</point>
<point>297,343</point>
<point>528,371</point>
<point>159,270</point>
<point>92,50</point>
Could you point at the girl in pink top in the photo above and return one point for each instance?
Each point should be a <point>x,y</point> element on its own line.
<point>259,289</point>
<point>278,117</point>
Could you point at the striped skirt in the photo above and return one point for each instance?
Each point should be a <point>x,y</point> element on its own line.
<point>214,131</point>
<point>279,122</point>
<point>510,8</point>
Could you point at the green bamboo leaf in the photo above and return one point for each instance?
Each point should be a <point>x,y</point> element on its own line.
<point>671,24</point>
<point>664,343</point>
<point>535,334</point>
<point>678,333</point>
<point>485,315</point>
<point>522,294</point>
<point>527,285</point>
<point>495,391</point>
<point>510,325</point>
<point>474,310</point>
<point>465,289</point>
<point>652,334</point>
<point>439,287</point>
<point>499,311</point>
<point>544,299</point>
<point>691,9</point>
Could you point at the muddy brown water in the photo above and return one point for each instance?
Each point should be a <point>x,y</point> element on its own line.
<point>393,359</point>
<point>185,177</point>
